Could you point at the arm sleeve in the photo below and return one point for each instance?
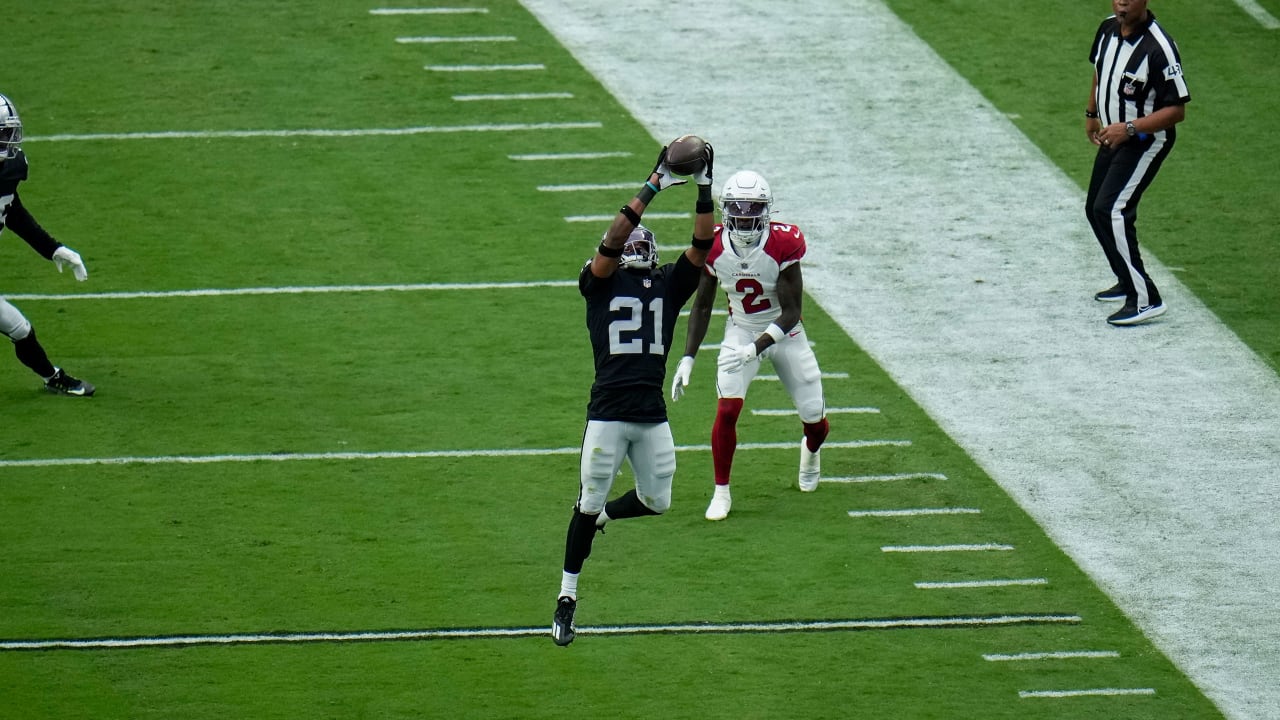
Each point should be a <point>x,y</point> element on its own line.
<point>20,221</point>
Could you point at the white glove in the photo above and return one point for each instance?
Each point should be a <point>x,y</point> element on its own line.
<point>681,381</point>
<point>666,178</point>
<point>733,359</point>
<point>703,176</point>
<point>66,256</point>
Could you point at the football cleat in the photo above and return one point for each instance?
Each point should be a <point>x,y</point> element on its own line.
<point>720,504</point>
<point>1130,315</point>
<point>562,627</point>
<point>63,384</point>
<point>1115,293</point>
<point>810,467</point>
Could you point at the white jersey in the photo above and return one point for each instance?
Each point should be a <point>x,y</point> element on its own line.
<point>750,281</point>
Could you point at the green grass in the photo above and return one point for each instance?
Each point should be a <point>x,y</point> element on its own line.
<point>123,550</point>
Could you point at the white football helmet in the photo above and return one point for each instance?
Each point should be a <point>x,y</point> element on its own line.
<point>745,204</point>
<point>640,251</point>
<point>10,129</point>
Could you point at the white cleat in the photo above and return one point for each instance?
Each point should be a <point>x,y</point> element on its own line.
<point>720,504</point>
<point>810,467</point>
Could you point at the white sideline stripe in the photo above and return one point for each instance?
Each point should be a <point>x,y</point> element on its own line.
<point>426,11</point>
<point>830,411</point>
<point>723,312</point>
<point>598,186</point>
<point>485,68</point>
<point>647,216</point>
<point>913,512</point>
<point>1060,655</point>
<point>775,378</point>
<point>1257,12</point>
<point>359,132</point>
<point>570,156</point>
<point>395,454</point>
<point>964,584</point>
<point>539,632</point>
<point>515,96</point>
<point>460,39</point>
<point>884,478</point>
<point>943,548</point>
<point>301,290</point>
<point>1084,693</point>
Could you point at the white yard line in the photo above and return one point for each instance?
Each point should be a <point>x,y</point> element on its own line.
<point>957,255</point>
<point>312,132</point>
<point>1056,655</point>
<point>1259,13</point>
<point>863,624</point>
<point>297,290</point>
<point>427,11</point>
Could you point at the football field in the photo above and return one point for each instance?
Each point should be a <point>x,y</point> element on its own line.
<point>342,374</point>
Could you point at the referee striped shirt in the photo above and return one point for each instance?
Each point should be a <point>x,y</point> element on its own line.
<point>1137,75</point>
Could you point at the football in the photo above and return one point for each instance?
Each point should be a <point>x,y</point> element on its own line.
<point>686,154</point>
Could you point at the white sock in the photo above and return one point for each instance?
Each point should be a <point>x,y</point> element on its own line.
<point>722,491</point>
<point>602,518</point>
<point>568,585</point>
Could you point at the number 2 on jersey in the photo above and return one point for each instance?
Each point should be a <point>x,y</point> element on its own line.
<point>753,299</point>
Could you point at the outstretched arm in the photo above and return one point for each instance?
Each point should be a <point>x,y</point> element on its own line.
<point>605,262</point>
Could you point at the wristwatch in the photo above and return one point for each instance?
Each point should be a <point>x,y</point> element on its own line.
<point>1129,128</point>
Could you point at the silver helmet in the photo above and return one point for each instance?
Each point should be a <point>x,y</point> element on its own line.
<point>640,251</point>
<point>10,129</point>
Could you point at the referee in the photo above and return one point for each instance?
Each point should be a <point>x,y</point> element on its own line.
<point>1139,95</point>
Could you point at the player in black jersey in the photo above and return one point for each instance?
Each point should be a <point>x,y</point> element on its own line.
<point>13,170</point>
<point>632,308</point>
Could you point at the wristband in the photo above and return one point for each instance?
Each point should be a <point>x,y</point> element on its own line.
<point>609,252</point>
<point>1091,114</point>
<point>647,192</point>
<point>702,244</point>
<point>775,332</point>
<point>704,204</point>
<point>629,214</point>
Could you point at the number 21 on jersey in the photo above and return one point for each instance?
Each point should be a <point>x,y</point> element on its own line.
<point>627,335</point>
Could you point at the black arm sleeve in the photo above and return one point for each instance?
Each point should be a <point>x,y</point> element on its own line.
<point>19,220</point>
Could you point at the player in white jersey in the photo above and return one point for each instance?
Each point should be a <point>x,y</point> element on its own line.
<point>757,263</point>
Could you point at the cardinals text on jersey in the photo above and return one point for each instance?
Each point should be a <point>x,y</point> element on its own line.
<point>751,280</point>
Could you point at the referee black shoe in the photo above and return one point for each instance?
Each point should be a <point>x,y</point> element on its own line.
<point>1115,293</point>
<point>1130,315</point>
<point>562,627</point>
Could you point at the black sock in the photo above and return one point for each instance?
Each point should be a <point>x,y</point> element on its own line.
<point>627,506</point>
<point>31,354</point>
<point>577,545</point>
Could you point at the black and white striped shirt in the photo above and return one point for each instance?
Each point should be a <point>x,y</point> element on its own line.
<point>1137,75</point>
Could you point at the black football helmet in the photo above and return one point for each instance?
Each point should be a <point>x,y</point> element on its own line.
<point>640,251</point>
<point>10,129</point>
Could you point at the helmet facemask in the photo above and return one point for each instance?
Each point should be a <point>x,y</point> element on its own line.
<point>745,205</point>
<point>640,251</point>
<point>10,129</point>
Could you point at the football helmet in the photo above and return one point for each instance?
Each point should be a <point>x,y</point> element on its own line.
<point>640,251</point>
<point>745,204</point>
<point>10,129</point>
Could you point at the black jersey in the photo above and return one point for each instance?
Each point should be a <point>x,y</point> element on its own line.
<point>14,215</point>
<point>631,317</point>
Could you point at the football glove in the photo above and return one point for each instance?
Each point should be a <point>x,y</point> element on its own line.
<point>704,176</point>
<point>666,178</point>
<point>66,256</point>
<point>681,380</point>
<point>733,359</point>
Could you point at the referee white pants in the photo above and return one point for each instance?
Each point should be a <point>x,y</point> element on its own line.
<point>651,451</point>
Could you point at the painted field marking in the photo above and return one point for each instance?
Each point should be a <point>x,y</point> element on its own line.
<point>912,512</point>
<point>830,411</point>
<point>647,216</point>
<point>775,378</point>
<point>1059,655</point>
<point>521,67</point>
<point>395,454</point>
<point>300,290</point>
<point>315,132</point>
<point>430,39</point>
<point>571,156</point>
<point>1257,12</point>
<point>944,548</point>
<point>966,584</point>
<point>540,632</point>
<point>884,478</point>
<point>426,11</point>
<point>515,96</point>
<point>589,186</point>
<point>1084,693</point>
<point>724,313</point>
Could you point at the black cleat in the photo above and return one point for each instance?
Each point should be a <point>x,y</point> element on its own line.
<point>64,384</point>
<point>1130,315</point>
<point>562,628</point>
<point>1115,293</point>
